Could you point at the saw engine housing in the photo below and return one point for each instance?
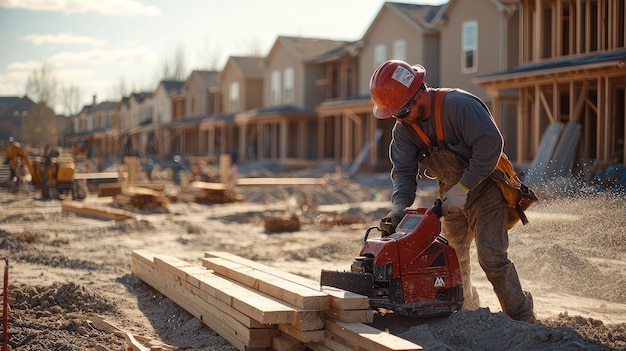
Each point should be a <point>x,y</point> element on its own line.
<point>413,271</point>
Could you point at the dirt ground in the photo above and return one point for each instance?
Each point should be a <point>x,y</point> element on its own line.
<point>65,269</point>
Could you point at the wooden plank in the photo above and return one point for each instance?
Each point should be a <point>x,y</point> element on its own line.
<point>308,320</point>
<point>261,307</point>
<point>303,336</point>
<point>328,344</point>
<point>96,175</point>
<point>369,338</point>
<point>95,211</point>
<point>286,343</point>
<point>270,284</point>
<point>351,316</point>
<point>255,304</point>
<point>208,186</point>
<point>134,344</point>
<point>340,299</point>
<point>311,284</point>
<point>346,300</point>
<point>145,258</point>
<point>193,285</point>
<point>145,273</point>
<point>139,190</point>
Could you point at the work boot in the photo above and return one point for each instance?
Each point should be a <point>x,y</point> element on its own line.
<point>516,302</point>
<point>528,315</point>
<point>471,302</point>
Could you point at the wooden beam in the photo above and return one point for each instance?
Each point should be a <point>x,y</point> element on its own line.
<point>546,107</point>
<point>96,211</point>
<point>580,101</point>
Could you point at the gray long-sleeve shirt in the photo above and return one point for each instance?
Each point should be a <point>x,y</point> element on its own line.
<point>469,131</point>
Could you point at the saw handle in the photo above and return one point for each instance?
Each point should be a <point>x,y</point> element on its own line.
<point>437,207</point>
<point>367,232</point>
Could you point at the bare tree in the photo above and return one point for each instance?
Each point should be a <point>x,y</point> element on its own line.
<point>208,57</point>
<point>120,90</point>
<point>254,48</point>
<point>71,97</point>
<point>175,68</point>
<point>41,85</point>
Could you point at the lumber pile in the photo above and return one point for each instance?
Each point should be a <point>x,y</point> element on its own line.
<point>112,189</point>
<point>141,198</point>
<point>257,307</point>
<point>207,192</point>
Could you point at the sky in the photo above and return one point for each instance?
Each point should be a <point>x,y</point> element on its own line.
<point>99,46</point>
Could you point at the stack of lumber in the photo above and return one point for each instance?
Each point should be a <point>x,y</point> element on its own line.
<point>207,192</point>
<point>141,198</point>
<point>112,189</point>
<point>257,307</point>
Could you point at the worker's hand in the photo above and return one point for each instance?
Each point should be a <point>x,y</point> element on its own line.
<point>454,200</point>
<point>389,223</point>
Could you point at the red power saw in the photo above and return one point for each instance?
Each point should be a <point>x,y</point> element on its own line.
<point>412,271</point>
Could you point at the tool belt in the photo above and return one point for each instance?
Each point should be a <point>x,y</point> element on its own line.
<point>517,195</point>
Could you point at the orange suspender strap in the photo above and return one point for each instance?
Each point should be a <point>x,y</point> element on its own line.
<point>421,134</point>
<point>438,124</point>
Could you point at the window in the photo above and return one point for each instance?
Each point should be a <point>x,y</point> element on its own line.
<point>399,49</point>
<point>233,96</point>
<point>288,82</point>
<point>380,55</point>
<point>194,105</point>
<point>470,44</point>
<point>275,88</point>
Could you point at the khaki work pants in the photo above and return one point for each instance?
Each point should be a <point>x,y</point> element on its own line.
<point>485,221</point>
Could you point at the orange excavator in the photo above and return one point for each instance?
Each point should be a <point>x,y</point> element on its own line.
<point>53,174</point>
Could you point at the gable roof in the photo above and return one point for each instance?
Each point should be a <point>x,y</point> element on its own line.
<point>306,49</point>
<point>421,17</point>
<point>172,86</point>
<point>351,49</point>
<point>206,79</point>
<point>249,67</point>
<point>10,104</point>
<point>501,5</point>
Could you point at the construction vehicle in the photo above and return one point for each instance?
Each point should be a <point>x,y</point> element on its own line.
<point>411,272</point>
<point>52,173</point>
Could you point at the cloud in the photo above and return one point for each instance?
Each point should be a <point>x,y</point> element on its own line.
<point>13,83</point>
<point>120,57</point>
<point>24,66</point>
<point>63,38</point>
<point>128,8</point>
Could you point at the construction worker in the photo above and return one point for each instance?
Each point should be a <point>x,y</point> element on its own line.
<point>473,207</point>
<point>178,168</point>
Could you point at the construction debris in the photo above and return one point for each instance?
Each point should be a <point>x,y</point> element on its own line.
<point>257,307</point>
<point>286,222</point>
<point>141,198</point>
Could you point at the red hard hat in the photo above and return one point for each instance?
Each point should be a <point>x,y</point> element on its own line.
<point>393,84</point>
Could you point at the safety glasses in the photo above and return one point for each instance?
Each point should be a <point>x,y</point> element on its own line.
<point>406,110</point>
